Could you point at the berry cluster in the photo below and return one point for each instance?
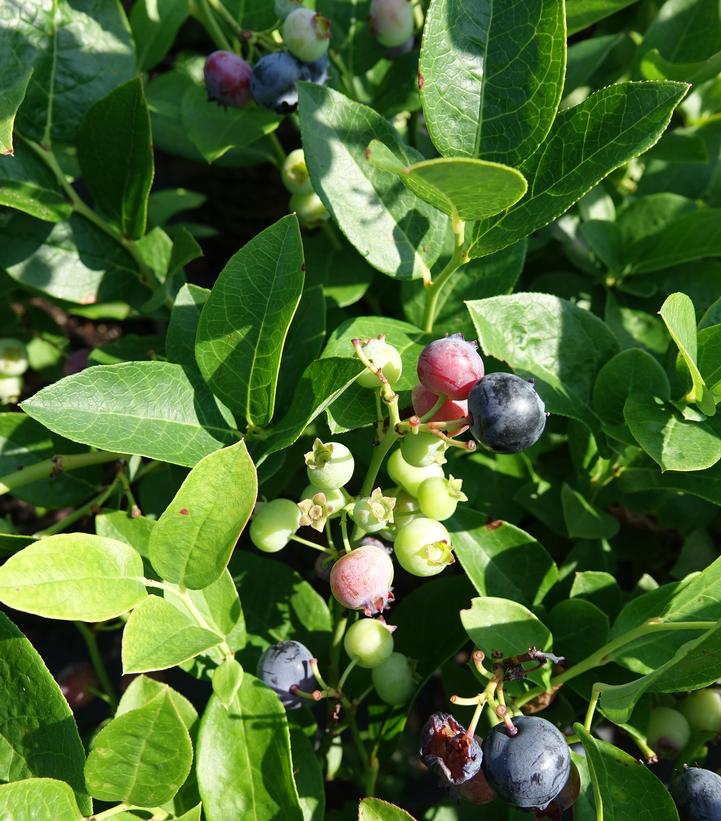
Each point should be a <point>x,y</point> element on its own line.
<point>13,364</point>
<point>453,395</point>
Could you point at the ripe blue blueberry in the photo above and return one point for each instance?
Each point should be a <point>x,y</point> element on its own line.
<point>507,415</point>
<point>286,665</point>
<point>273,85</point>
<point>530,768</point>
<point>316,70</point>
<point>697,795</point>
<point>227,79</point>
<point>448,750</point>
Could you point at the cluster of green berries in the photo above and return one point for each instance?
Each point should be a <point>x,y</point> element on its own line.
<point>303,200</point>
<point>692,720</point>
<point>13,364</point>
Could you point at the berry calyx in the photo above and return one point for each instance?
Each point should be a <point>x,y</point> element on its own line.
<point>423,449</point>
<point>507,415</point>
<point>450,366</point>
<point>285,666</point>
<point>314,511</point>
<point>393,679</point>
<point>273,524</point>
<point>330,465</point>
<point>383,356</point>
<point>423,547</point>
<point>362,579</point>
<point>306,34</point>
<point>424,400</point>
<point>668,731</point>
<point>369,642</point>
<point>448,750</point>
<point>372,513</point>
<point>697,794</point>
<point>227,79</point>
<point>335,500</point>
<point>407,476</point>
<point>702,710</point>
<point>391,21</point>
<point>530,768</point>
<point>294,173</point>
<point>438,497</point>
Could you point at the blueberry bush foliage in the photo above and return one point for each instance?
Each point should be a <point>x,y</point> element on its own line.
<point>423,297</point>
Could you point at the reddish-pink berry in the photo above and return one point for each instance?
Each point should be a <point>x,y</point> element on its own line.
<point>451,366</point>
<point>424,400</point>
<point>361,580</point>
<point>227,79</point>
<point>78,683</point>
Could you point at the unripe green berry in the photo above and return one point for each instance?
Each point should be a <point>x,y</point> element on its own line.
<point>13,357</point>
<point>372,513</point>
<point>423,547</point>
<point>668,731</point>
<point>383,356</point>
<point>335,500</point>
<point>423,449</point>
<point>273,524</point>
<point>10,389</point>
<point>702,710</point>
<point>393,679</point>
<point>295,173</point>
<point>330,465</point>
<point>306,34</point>
<point>369,642</point>
<point>309,208</point>
<point>438,497</point>
<point>407,476</point>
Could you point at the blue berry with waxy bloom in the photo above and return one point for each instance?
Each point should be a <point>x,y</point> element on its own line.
<point>507,415</point>
<point>697,795</point>
<point>227,79</point>
<point>316,70</point>
<point>285,666</point>
<point>274,80</point>
<point>449,751</point>
<point>530,768</point>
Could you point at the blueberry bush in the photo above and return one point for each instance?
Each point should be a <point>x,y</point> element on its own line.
<point>424,297</point>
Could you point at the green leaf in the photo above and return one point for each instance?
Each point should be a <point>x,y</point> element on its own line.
<point>142,756</point>
<point>500,559</point>
<point>625,786</point>
<point>631,372</point>
<point>655,67</point>
<point>46,799</point>
<point>143,689</point>
<point>11,98</point>
<point>491,76</point>
<point>73,576</point>
<point>244,323</point>
<point>183,326</point>
<point>585,58</point>
<point>393,229</point>
<point>538,335</point>
<point>157,636</point>
<point>504,625</point>
<point>28,185</point>
<point>600,588</point>
<point>155,24</point>
<point>38,734</point>
<point>123,527</point>
<point>671,441</point>
<point>582,13</point>
<point>148,408</point>
<point>684,30</point>
<point>583,520</point>
<point>308,775</point>
<point>692,236</point>
<point>78,54</point>
<point>227,679</point>
<point>374,809</point>
<point>579,628</point>
<point>584,145</point>
<point>465,189</point>
<point>709,359</point>
<point>116,156</point>
<point>192,541</point>
<point>231,742</point>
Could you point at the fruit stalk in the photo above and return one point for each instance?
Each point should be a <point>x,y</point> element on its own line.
<point>433,288</point>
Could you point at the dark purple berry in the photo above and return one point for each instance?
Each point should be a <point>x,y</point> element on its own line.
<point>507,415</point>
<point>697,795</point>
<point>285,666</point>
<point>78,683</point>
<point>565,799</point>
<point>448,750</point>
<point>227,79</point>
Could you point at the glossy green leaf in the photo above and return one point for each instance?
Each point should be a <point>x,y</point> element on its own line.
<point>39,799</point>
<point>116,156</point>
<point>504,625</point>
<point>500,559</point>
<point>142,756</point>
<point>656,67</point>
<point>626,787</point>
<point>583,520</point>
<point>463,188</point>
<point>157,636</point>
<point>537,334</point>
<point>143,689</point>
<point>227,679</point>
<point>154,24</point>
<point>192,541</point>
<point>123,527</point>
<point>633,371</point>
<point>38,733</point>
<point>28,185</point>
<point>375,809</point>
<point>685,30</point>
<point>11,97</point>
<point>231,742</point>
<point>393,229</point>
<point>709,359</point>
<point>308,775</point>
<point>183,326</point>
<point>73,576</point>
<point>491,76</point>
<point>584,145</point>
<point>244,323</point>
<point>585,57</point>
<point>692,236</point>
<point>148,408</point>
<point>78,55</point>
<point>579,628</point>
<point>582,13</point>
<point>599,587</point>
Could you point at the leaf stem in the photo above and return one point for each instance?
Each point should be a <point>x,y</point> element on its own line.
<point>210,24</point>
<point>433,289</point>
<point>71,518</point>
<point>53,467</point>
<point>116,810</point>
<point>97,662</point>
<point>308,543</point>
